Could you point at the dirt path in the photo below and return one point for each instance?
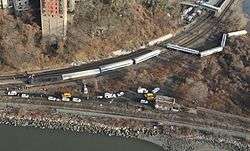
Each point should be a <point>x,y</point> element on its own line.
<point>243,133</point>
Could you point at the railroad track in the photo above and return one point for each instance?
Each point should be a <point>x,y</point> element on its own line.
<point>184,39</point>
<point>186,34</point>
<point>201,29</point>
<point>58,72</point>
<point>205,116</point>
<point>208,27</point>
<point>234,131</point>
<point>181,121</point>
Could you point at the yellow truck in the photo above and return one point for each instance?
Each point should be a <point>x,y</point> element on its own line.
<point>150,97</point>
<point>66,97</point>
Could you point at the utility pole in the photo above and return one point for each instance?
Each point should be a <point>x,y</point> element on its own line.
<point>85,90</point>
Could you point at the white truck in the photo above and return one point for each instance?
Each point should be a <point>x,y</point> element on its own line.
<point>23,95</point>
<point>119,94</point>
<point>12,93</point>
<point>142,90</point>
<point>66,97</point>
<point>51,98</point>
<point>155,90</point>
<point>99,97</point>
<point>143,101</point>
<point>77,100</point>
<point>109,95</point>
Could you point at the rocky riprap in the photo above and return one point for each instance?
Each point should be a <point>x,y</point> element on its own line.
<point>163,136</point>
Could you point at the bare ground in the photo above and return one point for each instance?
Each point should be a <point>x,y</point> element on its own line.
<point>99,27</point>
<point>219,82</point>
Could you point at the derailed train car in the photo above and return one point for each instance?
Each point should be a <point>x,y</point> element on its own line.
<point>111,66</point>
<point>80,74</point>
<point>223,41</point>
<point>237,33</point>
<point>146,56</point>
<point>116,65</point>
<point>211,51</point>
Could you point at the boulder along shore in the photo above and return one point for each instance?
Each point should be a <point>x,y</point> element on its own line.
<point>168,137</point>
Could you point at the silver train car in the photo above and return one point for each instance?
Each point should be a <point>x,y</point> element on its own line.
<point>111,66</point>
<point>211,51</point>
<point>146,56</point>
<point>116,65</point>
<point>80,74</point>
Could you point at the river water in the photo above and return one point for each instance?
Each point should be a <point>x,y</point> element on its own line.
<point>32,139</point>
<point>246,9</point>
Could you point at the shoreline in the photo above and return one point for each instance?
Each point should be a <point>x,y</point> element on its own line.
<point>245,16</point>
<point>165,136</point>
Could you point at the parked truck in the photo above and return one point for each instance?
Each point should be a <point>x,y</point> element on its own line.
<point>66,97</point>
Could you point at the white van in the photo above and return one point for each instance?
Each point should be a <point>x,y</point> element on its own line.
<point>144,102</point>
<point>23,95</point>
<point>142,90</point>
<point>12,93</point>
<point>77,100</point>
<point>51,98</point>
<point>155,90</point>
<point>108,95</point>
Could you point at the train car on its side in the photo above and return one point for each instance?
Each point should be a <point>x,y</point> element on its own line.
<point>116,65</point>
<point>146,56</point>
<point>237,33</point>
<point>211,51</point>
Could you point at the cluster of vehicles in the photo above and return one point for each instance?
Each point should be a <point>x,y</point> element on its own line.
<point>65,97</point>
<point>147,96</point>
<point>14,93</point>
<point>191,13</point>
<point>108,95</point>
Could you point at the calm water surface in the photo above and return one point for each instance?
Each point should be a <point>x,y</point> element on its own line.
<point>246,9</point>
<point>31,139</point>
<point>246,6</point>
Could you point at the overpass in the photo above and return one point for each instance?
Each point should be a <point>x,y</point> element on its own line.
<point>216,6</point>
<point>209,7</point>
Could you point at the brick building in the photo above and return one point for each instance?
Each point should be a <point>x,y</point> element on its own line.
<point>54,18</point>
